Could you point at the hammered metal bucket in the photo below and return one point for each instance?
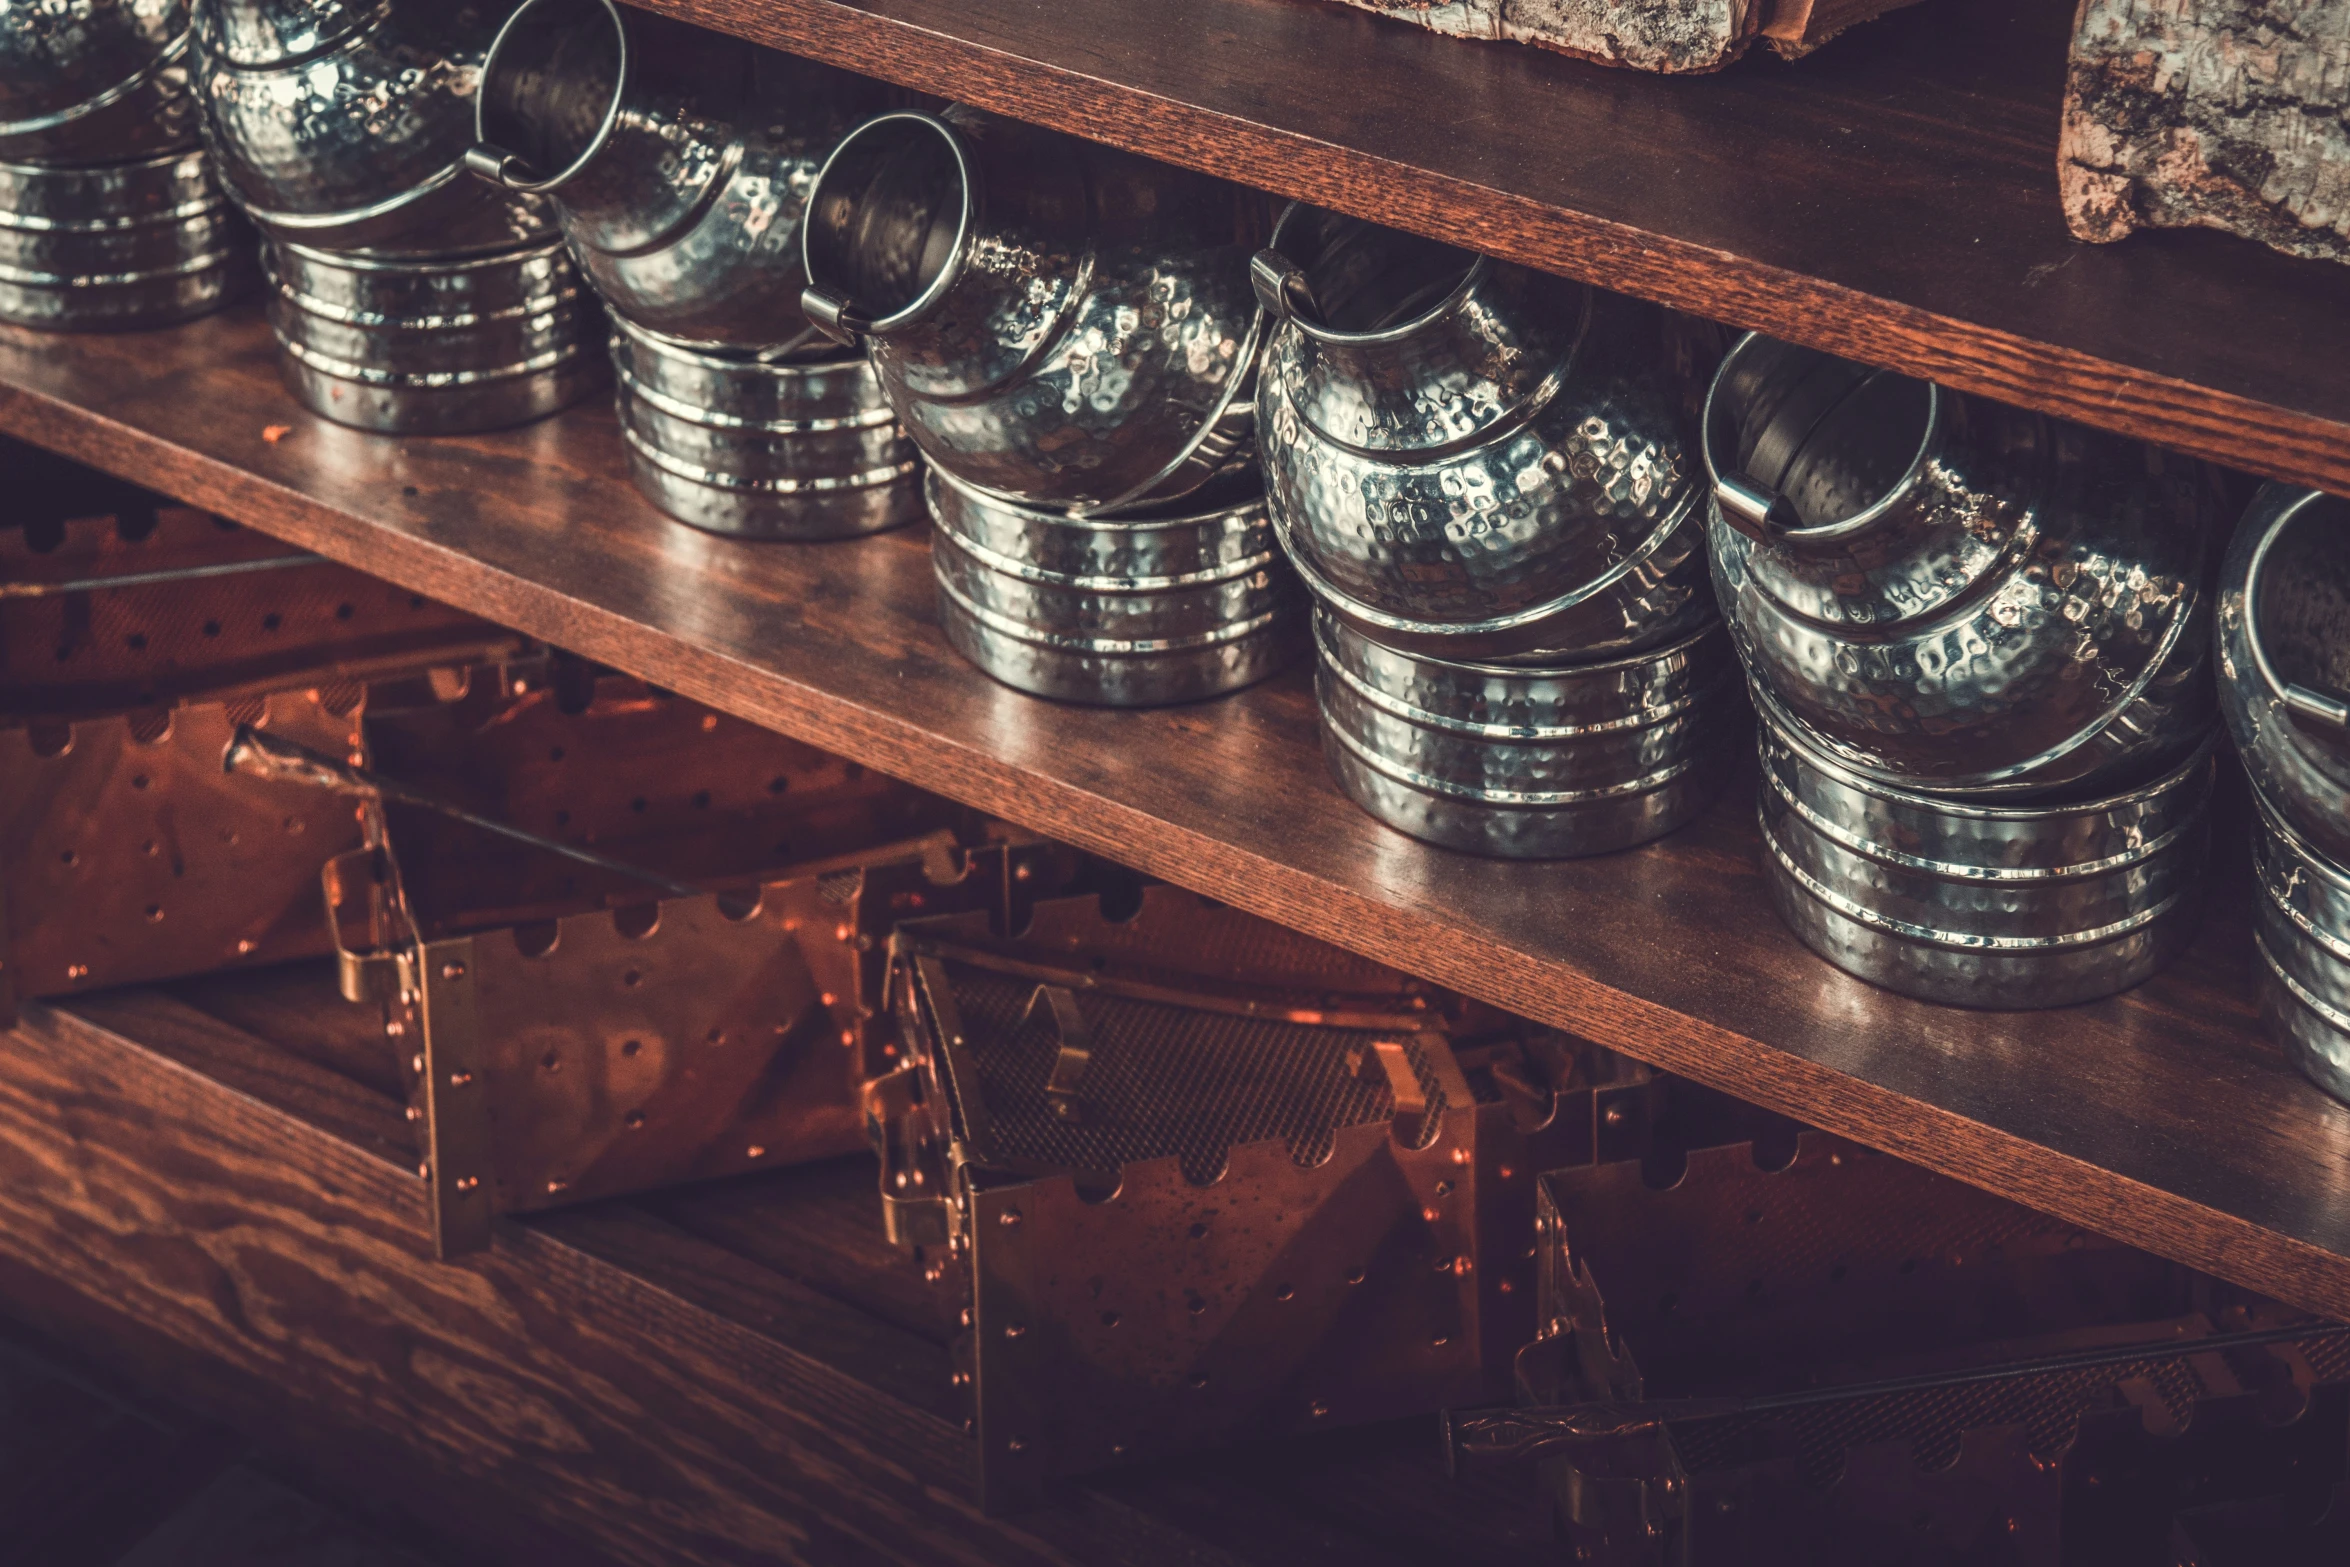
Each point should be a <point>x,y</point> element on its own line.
<point>1529,763</point>
<point>2301,922</point>
<point>1052,319</point>
<point>420,346</point>
<point>1170,605</point>
<point>2284,659</point>
<point>1953,595</point>
<point>2007,907</point>
<point>735,444</point>
<point>94,81</point>
<point>1476,460</point>
<point>679,162</point>
<point>118,246</point>
<point>345,125</point>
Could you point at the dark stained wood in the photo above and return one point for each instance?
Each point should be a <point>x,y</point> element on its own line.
<point>1893,197</point>
<point>603,1370</point>
<point>2163,1118</point>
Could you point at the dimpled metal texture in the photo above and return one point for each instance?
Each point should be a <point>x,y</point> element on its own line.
<point>1977,905</point>
<point>91,81</point>
<point>1172,604</point>
<point>422,346</point>
<point>345,125</point>
<point>2301,922</point>
<point>118,246</point>
<point>732,443</point>
<point>1969,598</point>
<point>679,162</point>
<point>1053,320</point>
<point>1474,459</point>
<point>2288,576</point>
<point>1529,763</point>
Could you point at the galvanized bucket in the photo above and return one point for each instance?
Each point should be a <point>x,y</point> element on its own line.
<point>1529,763</point>
<point>1998,906</point>
<point>435,345</point>
<point>729,442</point>
<point>118,246</point>
<point>2301,922</point>
<point>1162,606</point>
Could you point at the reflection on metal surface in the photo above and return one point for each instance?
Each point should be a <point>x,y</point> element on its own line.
<point>1473,459</point>
<point>117,247</point>
<point>1954,595</point>
<point>344,125</point>
<point>2301,924</point>
<point>1970,904</point>
<point>736,443</point>
<point>2284,659</point>
<point>1163,604</point>
<point>678,162</point>
<point>1529,763</point>
<point>1194,1178</point>
<point>425,345</point>
<point>94,81</point>
<point>1051,319</point>
<point>1847,1358</point>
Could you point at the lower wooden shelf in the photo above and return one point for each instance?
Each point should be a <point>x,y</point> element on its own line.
<point>2163,1117</point>
<point>213,1181</point>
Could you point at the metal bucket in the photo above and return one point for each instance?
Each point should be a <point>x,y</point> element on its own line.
<point>2301,922</point>
<point>1473,459</point>
<point>422,345</point>
<point>1953,595</point>
<point>1529,763</point>
<point>1163,606</point>
<point>85,81</point>
<point>1998,906</point>
<point>2284,659</point>
<point>118,246</point>
<point>728,442</point>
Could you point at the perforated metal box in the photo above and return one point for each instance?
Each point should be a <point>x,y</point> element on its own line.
<point>1191,1178</point>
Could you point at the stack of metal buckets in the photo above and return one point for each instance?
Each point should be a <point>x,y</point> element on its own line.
<point>109,216</point>
<point>1979,640</point>
<point>1486,475</point>
<point>406,295</point>
<point>1067,334</point>
<point>2284,651</point>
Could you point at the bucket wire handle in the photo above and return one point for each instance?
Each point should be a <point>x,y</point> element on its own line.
<point>1281,286</point>
<point>500,167</point>
<point>837,318</point>
<point>2326,712</point>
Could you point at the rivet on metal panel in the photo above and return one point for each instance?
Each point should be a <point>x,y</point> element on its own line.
<point>1017,1445</point>
<point>467,1183</point>
<point>1009,1218</point>
<point>452,971</point>
<point>460,1079</point>
<point>414,1114</point>
<point>1015,1329</point>
<point>755,1152</point>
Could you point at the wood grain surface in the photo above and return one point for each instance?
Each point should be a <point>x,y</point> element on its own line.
<point>702,1380</point>
<point>1893,198</point>
<point>2162,1117</point>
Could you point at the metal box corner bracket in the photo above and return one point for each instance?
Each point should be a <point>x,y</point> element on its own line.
<point>1844,1357</point>
<point>1195,1179</point>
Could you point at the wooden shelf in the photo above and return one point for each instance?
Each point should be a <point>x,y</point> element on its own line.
<point>1892,198</point>
<point>2163,1117</point>
<point>211,1185</point>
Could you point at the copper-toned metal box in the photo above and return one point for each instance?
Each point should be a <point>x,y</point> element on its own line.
<point>1190,1178</point>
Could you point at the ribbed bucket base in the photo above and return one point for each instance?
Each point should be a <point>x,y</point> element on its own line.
<point>118,247</point>
<point>2301,921</point>
<point>2006,908</point>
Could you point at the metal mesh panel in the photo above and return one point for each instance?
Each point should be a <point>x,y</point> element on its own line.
<point>1165,1080</point>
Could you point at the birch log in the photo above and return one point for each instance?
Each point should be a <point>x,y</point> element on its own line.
<point>2229,114</point>
<point>1672,36</point>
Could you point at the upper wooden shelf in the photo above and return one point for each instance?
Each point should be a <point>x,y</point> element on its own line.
<point>1892,198</point>
<point>2162,1117</point>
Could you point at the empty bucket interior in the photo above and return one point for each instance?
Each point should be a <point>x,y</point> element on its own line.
<point>1834,438</point>
<point>888,215</point>
<point>1367,279</point>
<point>551,82</point>
<point>2302,597</point>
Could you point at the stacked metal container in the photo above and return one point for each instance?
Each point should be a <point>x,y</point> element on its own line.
<point>1485,475</point>
<point>2284,662</point>
<point>109,215</point>
<point>678,164</point>
<point>1978,640</point>
<point>1067,334</point>
<point>407,296</point>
